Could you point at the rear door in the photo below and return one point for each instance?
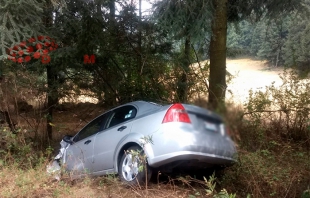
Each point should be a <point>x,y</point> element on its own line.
<point>79,155</point>
<point>118,126</point>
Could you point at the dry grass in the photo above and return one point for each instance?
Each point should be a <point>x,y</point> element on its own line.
<point>266,173</point>
<point>15,182</point>
<point>269,164</point>
<point>249,74</point>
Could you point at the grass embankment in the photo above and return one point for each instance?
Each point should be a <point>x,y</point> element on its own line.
<point>15,182</point>
<point>35,182</point>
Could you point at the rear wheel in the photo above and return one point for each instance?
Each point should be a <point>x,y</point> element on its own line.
<point>132,168</point>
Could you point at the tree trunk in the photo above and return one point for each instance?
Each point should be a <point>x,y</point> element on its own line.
<point>140,82</point>
<point>112,9</point>
<point>140,39</point>
<point>52,92</point>
<point>52,99</point>
<point>217,78</point>
<point>182,90</point>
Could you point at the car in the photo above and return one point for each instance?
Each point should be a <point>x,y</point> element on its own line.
<point>148,135</point>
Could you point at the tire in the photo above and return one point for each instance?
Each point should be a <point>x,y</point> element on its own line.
<point>128,169</point>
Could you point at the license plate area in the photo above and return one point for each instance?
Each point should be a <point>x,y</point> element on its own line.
<point>211,126</point>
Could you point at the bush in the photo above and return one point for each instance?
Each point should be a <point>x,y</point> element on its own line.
<point>280,112</point>
<point>265,173</point>
<point>19,151</point>
<point>273,134</point>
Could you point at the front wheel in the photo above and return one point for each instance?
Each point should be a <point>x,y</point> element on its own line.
<point>133,168</point>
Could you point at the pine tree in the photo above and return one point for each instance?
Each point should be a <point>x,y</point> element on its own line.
<point>297,46</point>
<point>19,21</point>
<point>184,21</point>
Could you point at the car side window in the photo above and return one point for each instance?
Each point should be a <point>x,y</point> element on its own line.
<point>122,114</point>
<point>92,128</point>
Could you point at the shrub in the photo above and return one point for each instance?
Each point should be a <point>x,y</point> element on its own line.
<point>273,134</point>
<point>280,112</point>
<point>17,150</point>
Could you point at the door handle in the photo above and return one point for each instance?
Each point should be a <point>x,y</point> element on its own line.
<point>87,142</point>
<point>121,128</point>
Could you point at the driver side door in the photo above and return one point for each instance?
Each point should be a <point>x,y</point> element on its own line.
<point>79,155</point>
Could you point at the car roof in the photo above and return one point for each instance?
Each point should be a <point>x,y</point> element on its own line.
<point>143,106</point>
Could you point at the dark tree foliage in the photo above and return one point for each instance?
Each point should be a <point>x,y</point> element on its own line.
<point>19,21</point>
<point>118,41</point>
<point>282,41</point>
<point>184,17</point>
<point>256,9</point>
<point>185,21</point>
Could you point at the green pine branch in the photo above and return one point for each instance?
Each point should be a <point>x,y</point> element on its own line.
<point>19,20</point>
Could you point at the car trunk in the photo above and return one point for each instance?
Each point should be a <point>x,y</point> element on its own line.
<point>204,120</point>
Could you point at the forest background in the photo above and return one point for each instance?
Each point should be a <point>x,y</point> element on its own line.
<point>54,52</point>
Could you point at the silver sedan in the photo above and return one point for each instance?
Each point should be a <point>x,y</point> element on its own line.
<point>136,138</point>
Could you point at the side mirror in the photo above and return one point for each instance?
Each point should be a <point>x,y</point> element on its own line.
<point>67,139</point>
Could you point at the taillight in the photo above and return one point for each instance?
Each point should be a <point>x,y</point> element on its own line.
<point>176,113</point>
<point>225,130</point>
<point>228,131</point>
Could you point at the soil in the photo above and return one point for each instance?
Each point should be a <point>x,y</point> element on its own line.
<point>249,74</point>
